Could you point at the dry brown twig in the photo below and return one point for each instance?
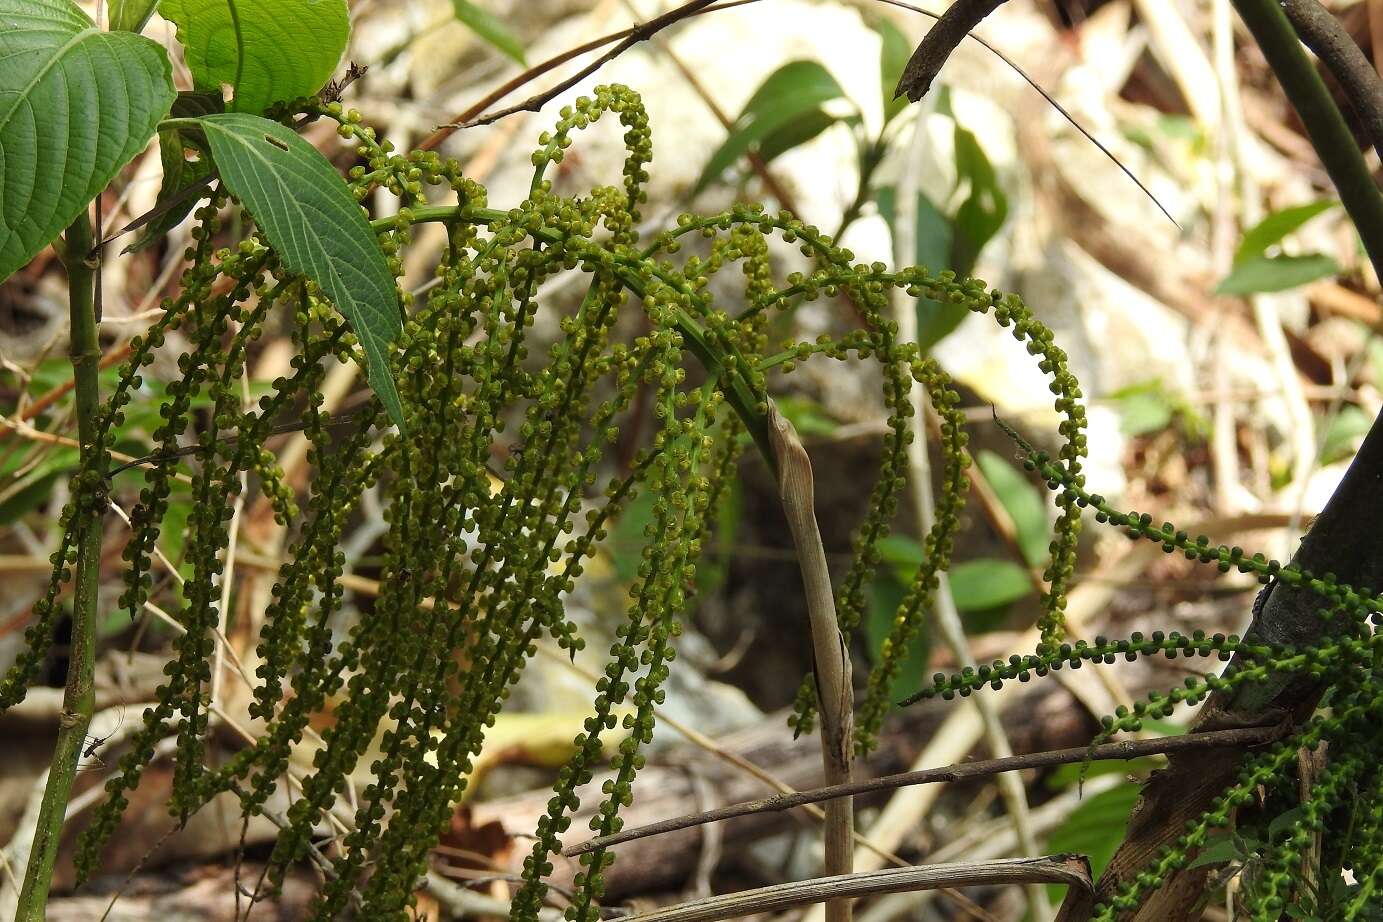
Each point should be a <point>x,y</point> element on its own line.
<point>1123,750</point>
<point>1072,870</point>
<point>1327,37</point>
<point>830,658</point>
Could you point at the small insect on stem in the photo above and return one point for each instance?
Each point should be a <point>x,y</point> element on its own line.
<point>94,743</point>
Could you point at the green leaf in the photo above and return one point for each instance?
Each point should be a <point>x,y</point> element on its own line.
<point>1144,410</point>
<point>316,227</point>
<point>893,58</point>
<point>985,207</point>
<point>628,538</point>
<point>1275,226</point>
<point>130,15</point>
<point>1263,274</point>
<point>806,415</point>
<point>1220,850</point>
<point>902,554</point>
<point>885,595</point>
<point>979,585</point>
<point>791,93</point>
<point>933,240</point>
<point>35,487</point>
<point>57,72</point>
<point>1095,828</point>
<point>1022,501</point>
<point>1343,434</point>
<point>266,51</point>
<point>795,133</point>
<point>487,26</point>
<point>976,585</point>
<point>182,187</point>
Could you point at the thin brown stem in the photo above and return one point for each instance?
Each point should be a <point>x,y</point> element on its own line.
<point>1122,750</point>
<point>1071,870</point>
<point>830,657</point>
<point>1331,41</point>
<point>626,39</point>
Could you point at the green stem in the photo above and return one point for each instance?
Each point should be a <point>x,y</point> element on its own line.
<point>738,393</point>
<point>1330,136</point>
<point>871,156</point>
<point>79,699</point>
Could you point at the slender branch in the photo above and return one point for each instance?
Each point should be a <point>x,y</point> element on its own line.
<point>1072,870</point>
<point>1324,124</point>
<point>936,56</point>
<point>830,657</point>
<point>79,697</point>
<point>626,40</point>
<point>936,46</point>
<point>1123,750</point>
<point>1328,38</point>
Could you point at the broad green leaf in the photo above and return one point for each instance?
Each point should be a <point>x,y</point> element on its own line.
<point>982,213</point>
<point>1264,274</point>
<point>796,133</point>
<point>1095,828</point>
<point>792,92</point>
<point>316,227</point>
<point>266,51</point>
<point>130,15</point>
<point>487,26</point>
<point>893,58</point>
<point>1022,501</point>
<point>57,73</point>
<point>979,585</point>
<point>934,238</point>
<point>1275,226</point>
<point>182,186</point>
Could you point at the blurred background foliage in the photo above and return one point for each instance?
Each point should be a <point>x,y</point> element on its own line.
<point>1230,359</point>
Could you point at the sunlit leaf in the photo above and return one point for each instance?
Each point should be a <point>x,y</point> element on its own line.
<point>795,133</point>
<point>984,208</point>
<point>893,58</point>
<point>57,71</point>
<point>1265,274</point>
<point>791,93</point>
<point>485,24</point>
<point>129,15</point>
<point>266,51</point>
<point>1144,410</point>
<point>932,248</point>
<point>1277,225</point>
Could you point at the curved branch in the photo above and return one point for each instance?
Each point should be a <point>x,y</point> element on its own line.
<point>1331,42</point>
